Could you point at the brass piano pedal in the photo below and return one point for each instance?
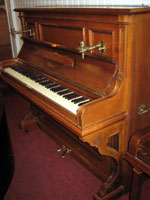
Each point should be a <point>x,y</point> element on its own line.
<point>67,151</point>
<point>63,148</point>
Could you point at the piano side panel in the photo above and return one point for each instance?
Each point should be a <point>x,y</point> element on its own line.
<point>140,72</point>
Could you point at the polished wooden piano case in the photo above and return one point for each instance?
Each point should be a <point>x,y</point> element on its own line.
<point>101,54</point>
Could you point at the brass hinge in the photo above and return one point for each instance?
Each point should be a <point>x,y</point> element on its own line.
<point>142,109</point>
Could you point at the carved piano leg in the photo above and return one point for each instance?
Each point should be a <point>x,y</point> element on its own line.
<point>29,120</point>
<point>112,187</point>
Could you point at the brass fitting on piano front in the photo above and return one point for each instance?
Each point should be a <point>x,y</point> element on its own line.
<point>30,31</point>
<point>83,48</point>
<point>142,109</point>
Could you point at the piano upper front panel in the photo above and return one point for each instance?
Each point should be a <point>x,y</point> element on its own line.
<point>71,32</point>
<point>109,33</point>
<point>71,35</point>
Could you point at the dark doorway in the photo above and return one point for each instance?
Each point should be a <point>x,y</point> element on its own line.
<point>5,45</point>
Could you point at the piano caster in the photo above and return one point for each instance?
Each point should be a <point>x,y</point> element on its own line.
<point>65,151</point>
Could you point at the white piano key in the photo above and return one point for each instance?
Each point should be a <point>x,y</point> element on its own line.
<point>67,104</point>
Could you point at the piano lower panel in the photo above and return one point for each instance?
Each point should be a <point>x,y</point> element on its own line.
<point>88,156</point>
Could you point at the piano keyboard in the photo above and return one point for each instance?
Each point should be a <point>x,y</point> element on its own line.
<point>59,94</point>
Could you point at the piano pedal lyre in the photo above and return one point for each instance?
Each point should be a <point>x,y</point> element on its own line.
<point>65,151</point>
<point>29,121</point>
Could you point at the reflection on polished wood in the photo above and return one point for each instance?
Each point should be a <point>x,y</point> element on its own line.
<point>112,85</point>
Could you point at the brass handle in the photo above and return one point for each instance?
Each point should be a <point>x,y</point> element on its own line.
<point>142,109</point>
<point>14,32</point>
<point>31,32</point>
<point>83,48</point>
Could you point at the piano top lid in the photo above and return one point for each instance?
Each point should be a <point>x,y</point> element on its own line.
<point>90,9</point>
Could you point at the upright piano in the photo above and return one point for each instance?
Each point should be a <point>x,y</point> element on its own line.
<point>86,73</point>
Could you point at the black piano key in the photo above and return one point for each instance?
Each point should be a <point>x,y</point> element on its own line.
<point>51,85</point>
<point>57,89</point>
<point>33,75</point>
<point>80,104</point>
<point>47,82</point>
<point>71,96</point>
<point>18,69</point>
<point>28,74</point>
<point>36,77</point>
<point>22,69</point>
<point>23,72</point>
<point>79,100</point>
<point>14,67</point>
<point>43,81</point>
<point>64,92</point>
<point>40,80</point>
